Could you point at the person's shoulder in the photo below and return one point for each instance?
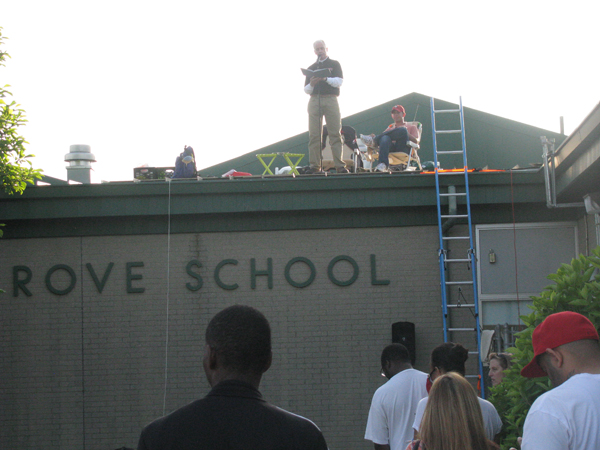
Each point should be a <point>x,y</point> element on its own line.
<point>408,377</point>
<point>583,386</point>
<point>585,378</point>
<point>293,417</point>
<point>382,391</point>
<point>487,406</point>
<point>485,403</point>
<point>175,416</point>
<point>296,425</point>
<point>414,373</point>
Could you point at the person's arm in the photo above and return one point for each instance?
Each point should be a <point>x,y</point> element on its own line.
<point>413,134</point>
<point>377,427</point>
<point>313,82</point>
<point>335,82</point>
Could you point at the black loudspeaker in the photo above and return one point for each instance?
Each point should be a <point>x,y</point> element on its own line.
<point>404,333</point>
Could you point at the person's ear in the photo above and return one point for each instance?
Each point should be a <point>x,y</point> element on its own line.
<point>555,357</point>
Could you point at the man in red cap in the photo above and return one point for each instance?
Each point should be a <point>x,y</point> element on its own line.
<point>394,138</point>
<point>566,350</point>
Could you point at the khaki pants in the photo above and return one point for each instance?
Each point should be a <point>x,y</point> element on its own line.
<point>331,110</point>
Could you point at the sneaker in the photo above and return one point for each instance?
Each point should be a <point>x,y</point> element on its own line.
<point>368,140</point>
<point>381,167</point>
<point>342,170</point>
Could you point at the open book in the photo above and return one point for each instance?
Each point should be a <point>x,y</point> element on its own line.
<point>321,73</point>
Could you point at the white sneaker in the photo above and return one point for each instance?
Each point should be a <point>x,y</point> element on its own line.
<point>381,167</point>
<point>368,140</point>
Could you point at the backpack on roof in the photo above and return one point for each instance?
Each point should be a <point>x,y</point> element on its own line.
<point>185,164</point>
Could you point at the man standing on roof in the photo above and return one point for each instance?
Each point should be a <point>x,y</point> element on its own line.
<point>393,407</point>
<point>566,350</point>
<point>394,138</point>
<point>324,92</point>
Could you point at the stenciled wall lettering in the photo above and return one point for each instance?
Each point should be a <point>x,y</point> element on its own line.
<point>225,275</point>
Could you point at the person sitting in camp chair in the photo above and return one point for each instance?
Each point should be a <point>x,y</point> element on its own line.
<point>394,138</point>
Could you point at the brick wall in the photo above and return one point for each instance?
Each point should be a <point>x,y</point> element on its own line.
<point>86,369</point>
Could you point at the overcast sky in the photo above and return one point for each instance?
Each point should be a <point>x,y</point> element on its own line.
<point>137,80</point>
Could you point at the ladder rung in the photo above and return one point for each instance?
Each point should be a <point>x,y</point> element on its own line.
<point>457,260</point>
<point>449,173</point>
<point>449,152</point>
<point>455,194</point>
<point>447,131</point>
<point>442,111</point>
<point>454,216</point>
<point>452,238</point>
<point>462,329</point>
<point>464,305</point>
<point>454,283</point>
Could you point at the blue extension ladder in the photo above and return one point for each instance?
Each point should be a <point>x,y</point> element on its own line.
<point>468,286</point>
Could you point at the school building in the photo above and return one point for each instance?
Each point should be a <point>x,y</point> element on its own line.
<point>109,287</point>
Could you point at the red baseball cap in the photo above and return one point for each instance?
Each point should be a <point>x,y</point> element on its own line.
<point>399,108</point>
<point>556,330</point>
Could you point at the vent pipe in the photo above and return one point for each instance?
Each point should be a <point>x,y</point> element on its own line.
<point>80,159</point>
<point>562,125</point>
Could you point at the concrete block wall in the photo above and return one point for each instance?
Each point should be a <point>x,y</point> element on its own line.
<point>88,369</point>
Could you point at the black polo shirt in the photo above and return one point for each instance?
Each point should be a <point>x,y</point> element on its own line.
<point>232,416</point>
<point>323,87</point>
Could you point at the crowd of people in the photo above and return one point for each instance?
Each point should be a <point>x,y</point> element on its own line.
<point>411,411</point>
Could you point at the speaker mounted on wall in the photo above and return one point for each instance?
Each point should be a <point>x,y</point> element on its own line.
<point>404,333</point>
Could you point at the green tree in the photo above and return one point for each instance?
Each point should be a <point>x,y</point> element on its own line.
<point>576,288</point>
<point>16,169</point>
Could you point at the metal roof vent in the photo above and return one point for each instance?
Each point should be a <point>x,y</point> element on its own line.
<point>80,159</point>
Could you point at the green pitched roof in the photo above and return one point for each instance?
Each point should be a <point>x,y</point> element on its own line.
<point>492,141</point>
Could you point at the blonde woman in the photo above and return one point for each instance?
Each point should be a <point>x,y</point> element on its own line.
<point>451,357</point>
<point>452,418</point>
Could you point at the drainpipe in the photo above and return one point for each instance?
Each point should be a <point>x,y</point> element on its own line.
<point>550,176</point>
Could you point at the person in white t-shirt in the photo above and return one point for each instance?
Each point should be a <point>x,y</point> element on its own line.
<point>567,417</point>
<point>451,357</point>
<point>394,404</point>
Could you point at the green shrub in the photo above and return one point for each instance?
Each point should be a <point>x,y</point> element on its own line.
<point>576,288</point>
